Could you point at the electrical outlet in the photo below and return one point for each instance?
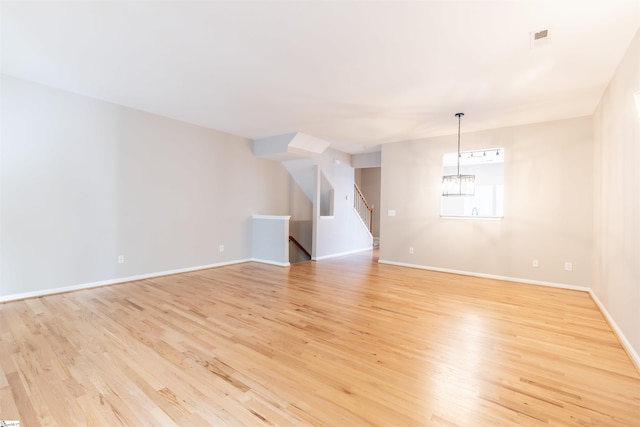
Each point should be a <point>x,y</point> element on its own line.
<point>535,263</point>
<point>410,250</point>
<point>391,212</point>
<point>120,259</point>
<point>568,266</point>
<point>221,248</point>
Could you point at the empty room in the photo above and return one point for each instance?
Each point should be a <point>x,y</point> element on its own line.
<point>320,213</point>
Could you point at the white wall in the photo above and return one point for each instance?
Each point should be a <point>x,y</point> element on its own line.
<point>270,239</point>
<point>83,181</point>
<point>343,232</point>
<point>301,196</point>
<point>617,199</point>
<point>547,212</point>
<point>301,211</point>
<point>366,160</point>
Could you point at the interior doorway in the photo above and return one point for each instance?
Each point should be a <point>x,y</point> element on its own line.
<point>368,181</point>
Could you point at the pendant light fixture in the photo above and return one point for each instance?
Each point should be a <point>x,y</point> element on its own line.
<point>458,185</point>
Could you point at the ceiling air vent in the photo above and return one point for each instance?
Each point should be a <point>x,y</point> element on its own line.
<point>539,38</point>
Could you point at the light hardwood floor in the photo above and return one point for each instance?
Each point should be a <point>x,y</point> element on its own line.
<point>343,342</point>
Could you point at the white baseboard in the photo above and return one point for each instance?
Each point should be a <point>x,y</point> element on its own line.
<point>264,261</point>
<point>633,354</point>
<point>368,248</point>
<point>489,276</point>
<point>34,294</point>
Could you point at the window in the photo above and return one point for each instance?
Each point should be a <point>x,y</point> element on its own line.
<point>488,168</point>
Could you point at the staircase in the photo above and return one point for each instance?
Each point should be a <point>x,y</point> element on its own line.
<point>325,222</point>
<point>365,211</point>
<point>297,252</point>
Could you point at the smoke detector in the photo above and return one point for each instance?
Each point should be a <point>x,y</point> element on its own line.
<point>539,38</point>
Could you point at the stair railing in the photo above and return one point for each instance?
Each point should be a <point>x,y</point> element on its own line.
<point>362,207</point>
<point>299,245</point>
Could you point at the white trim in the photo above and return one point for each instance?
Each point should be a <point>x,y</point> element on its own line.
<point>83,286</point>
<point>368,248</point>
<point>483,218</point>
<point>623,339</point>
<point>34,294</point>
<point>489,276</point>
<point>633,354</point>
<point>265,261</point>
<point>279,217</point>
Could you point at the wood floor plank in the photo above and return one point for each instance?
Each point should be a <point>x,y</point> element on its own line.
<point>345,341</point>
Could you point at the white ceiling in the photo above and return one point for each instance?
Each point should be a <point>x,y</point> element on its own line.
<point>355,73</point>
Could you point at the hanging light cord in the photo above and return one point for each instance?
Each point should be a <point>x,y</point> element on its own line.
<point>459,115</point>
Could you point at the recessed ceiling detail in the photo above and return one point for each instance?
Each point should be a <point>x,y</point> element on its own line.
<point>289,146</point>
